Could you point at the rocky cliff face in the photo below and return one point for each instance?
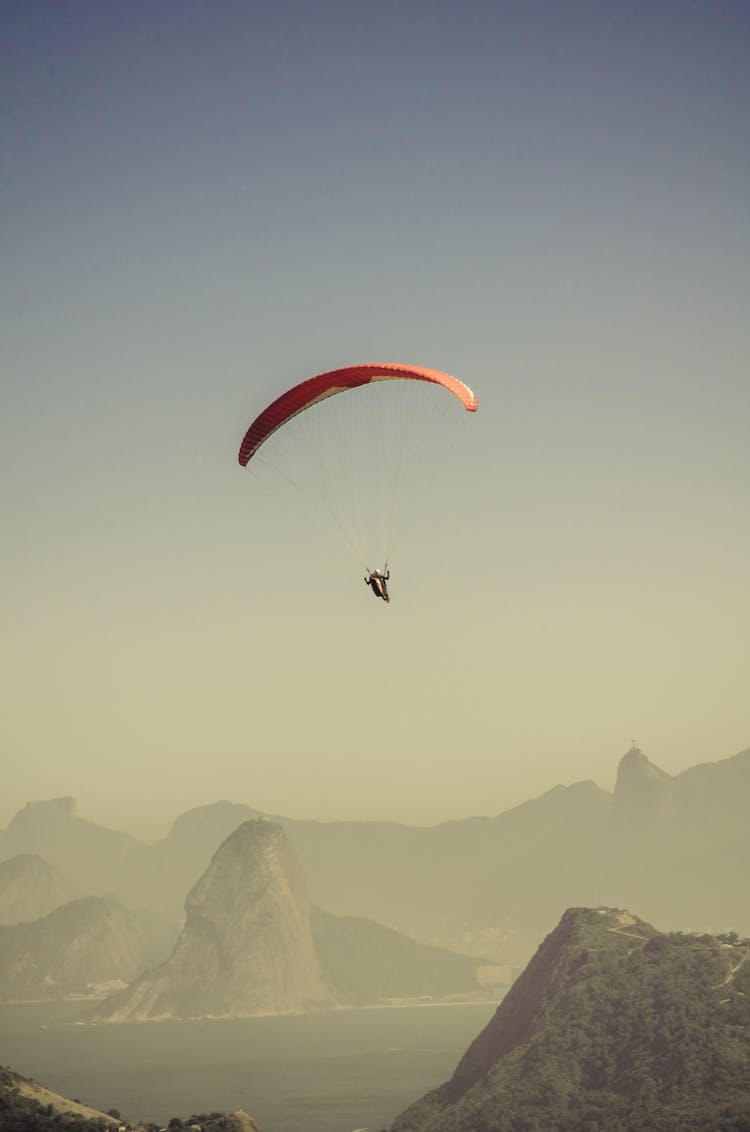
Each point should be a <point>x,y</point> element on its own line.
<point>31,888</point>
<point>77,949</point>
<point>246,947</point>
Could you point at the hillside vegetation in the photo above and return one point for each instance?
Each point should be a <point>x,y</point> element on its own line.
<point>26,1106</point>
<point>615,1027</point>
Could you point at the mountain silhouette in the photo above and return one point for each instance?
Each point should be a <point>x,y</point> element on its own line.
<point>672,845</point>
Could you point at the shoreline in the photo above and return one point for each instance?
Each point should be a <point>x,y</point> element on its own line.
<point>345,1007</point>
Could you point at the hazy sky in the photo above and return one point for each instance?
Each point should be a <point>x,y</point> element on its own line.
<point>203,203</point>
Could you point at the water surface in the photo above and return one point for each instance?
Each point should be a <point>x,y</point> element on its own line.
<point>331,1072</point>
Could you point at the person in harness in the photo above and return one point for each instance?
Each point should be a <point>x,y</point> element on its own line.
<point>377,583</point>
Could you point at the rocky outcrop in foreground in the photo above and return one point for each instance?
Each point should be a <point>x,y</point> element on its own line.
<point>27,1106</point>
<point>612,1025</point>
<point>246,947</point>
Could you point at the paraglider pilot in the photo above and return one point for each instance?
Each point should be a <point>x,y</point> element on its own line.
<point>377,582</point>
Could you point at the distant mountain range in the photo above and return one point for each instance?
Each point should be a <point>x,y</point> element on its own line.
<point>674,846</point>
<point>30,888</point>
<point>249,945</point>
<point>87,854</point>
<point>613,1026</point>
<point>81,947</point>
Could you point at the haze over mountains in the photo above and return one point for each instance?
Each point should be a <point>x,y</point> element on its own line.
<point>246,947</point>
<point>30,888</point>
<point>675,847</point>
<point>81,947</point>
<point>80,850</point>
<point>250,945</point>
<point>573,845</point>
<point>612,1022</point>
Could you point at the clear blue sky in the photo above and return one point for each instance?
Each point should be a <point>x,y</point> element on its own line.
<point>205,202</point>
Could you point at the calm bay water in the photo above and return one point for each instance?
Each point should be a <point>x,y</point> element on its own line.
<point>335,1072</point>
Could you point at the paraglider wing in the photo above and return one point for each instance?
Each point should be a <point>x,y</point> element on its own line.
<point>315,389</point>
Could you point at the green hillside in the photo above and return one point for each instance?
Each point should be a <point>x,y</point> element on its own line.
<point>613,1026</point>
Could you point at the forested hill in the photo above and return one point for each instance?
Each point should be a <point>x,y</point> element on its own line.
<point>613,1025</point>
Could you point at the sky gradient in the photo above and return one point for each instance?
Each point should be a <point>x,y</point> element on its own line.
<point>205,203</point>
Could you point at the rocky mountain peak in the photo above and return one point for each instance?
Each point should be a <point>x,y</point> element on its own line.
<point>246,947</point>
<point>54,812</point>
<point>639,781</point>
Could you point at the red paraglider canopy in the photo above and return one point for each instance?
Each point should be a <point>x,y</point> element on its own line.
<point>307,393</point>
